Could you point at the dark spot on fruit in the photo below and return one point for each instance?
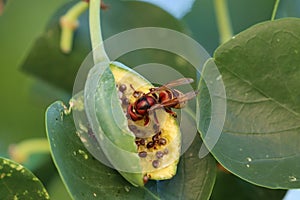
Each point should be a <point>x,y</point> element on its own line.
<point>155,138</point>
<point>162,141</point>
<point>143,154</point>
<point>142,142</point>
<point>145,179</point>
<point>166,151</point>
<point>122,87</point>
<point>150,145</point>
<point>132,128</point>
<point>125,101</point>
<point>159,154</point>
<point>139,141</point>
<point>155,163</point>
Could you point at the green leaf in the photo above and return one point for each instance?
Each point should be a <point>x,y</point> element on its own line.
<point>87,178</point>
<point>260,138</point>
<point>17,182</point>
<point>231,187</point>
<point>47,62</point>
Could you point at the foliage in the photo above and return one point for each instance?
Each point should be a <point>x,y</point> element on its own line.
<point>18,182</point>
<point>260,136</point>
<point>79,169</point>
<point>259,68</point>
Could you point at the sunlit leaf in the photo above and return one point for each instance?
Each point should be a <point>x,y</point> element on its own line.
<point>17,182</point>
<point>260,139</point>
<point>86,178</point>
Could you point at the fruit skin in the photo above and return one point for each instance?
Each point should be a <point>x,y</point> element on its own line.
<point>115,131</point>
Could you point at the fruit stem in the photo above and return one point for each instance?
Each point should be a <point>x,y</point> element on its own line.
<point>99,53</point>
<point>223,20</point>
<point>275,10</point>
<point>21,151</point>
<point>69,23</point>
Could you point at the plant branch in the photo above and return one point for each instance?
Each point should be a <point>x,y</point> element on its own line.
<point>223,20</point>
<point>275,10</point>
<point>21,151</point>
<point>99,53</point>
<point>69,23</point>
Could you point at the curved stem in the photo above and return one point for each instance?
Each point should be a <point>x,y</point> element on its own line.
<point>68,23</point>
<point>77,10</point>
<point>275,10</point>
<point>21,151</point>
<point>99,53</point>
<point>223,20</point>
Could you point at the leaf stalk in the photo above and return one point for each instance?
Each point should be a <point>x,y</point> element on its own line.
<point>21,151</point>
<point>275,10</point>
<point>69,23</point>
<point>99,54</point>
<point>223,20</point>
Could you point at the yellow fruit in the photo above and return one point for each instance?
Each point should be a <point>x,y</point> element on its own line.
<point>158,151</point>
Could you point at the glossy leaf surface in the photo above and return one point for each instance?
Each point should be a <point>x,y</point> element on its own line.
<point>85,177</point>
<point>17,182</point>
<point>260,139</point>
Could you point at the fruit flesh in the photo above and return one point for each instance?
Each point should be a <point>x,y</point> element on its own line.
<point>158,149</point>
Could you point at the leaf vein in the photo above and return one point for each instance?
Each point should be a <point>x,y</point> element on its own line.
<point>262,92</point>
